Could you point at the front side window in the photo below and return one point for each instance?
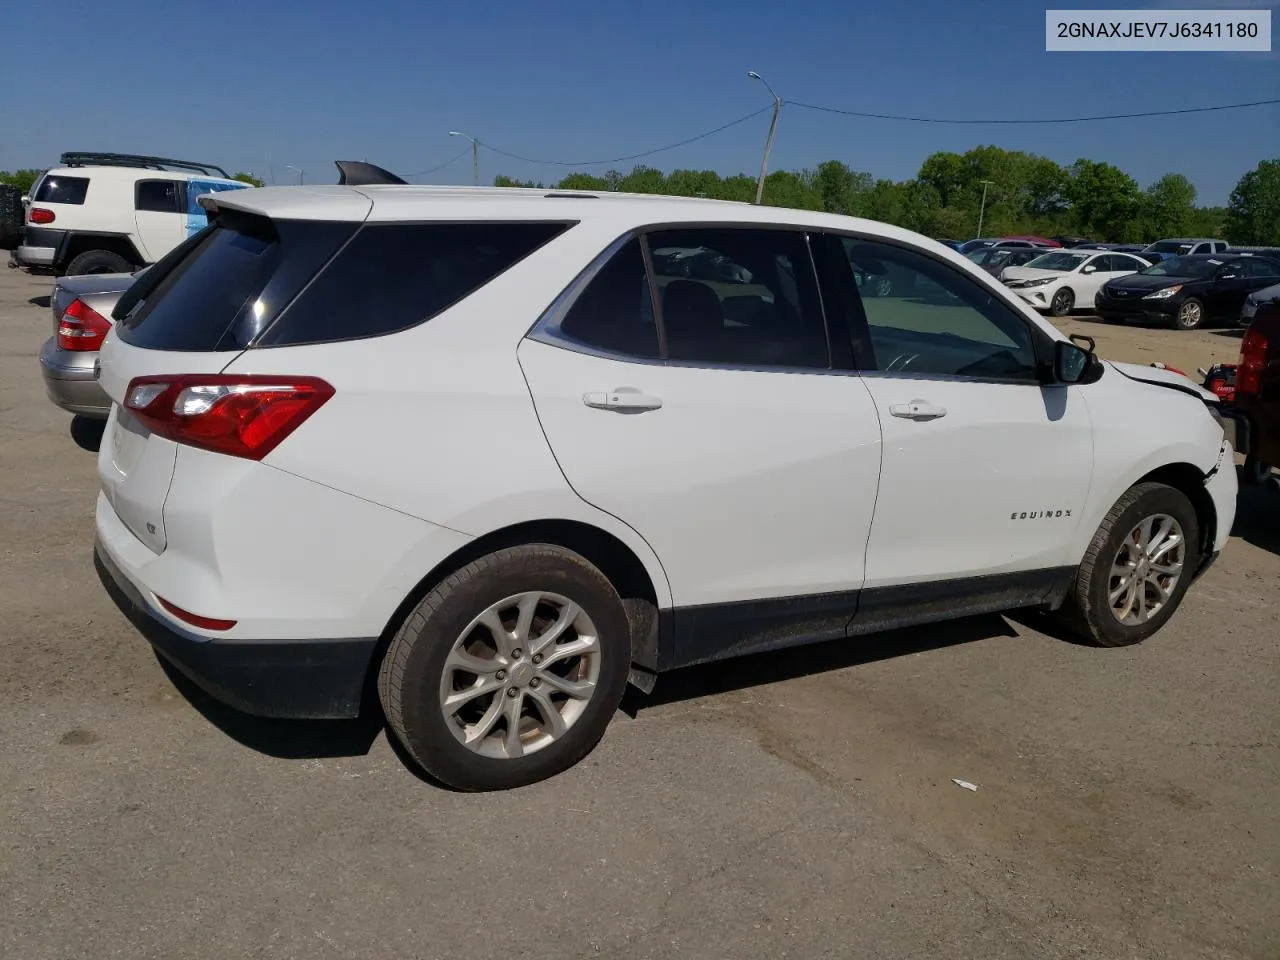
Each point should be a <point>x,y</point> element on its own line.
<point>741,296</point>
<point>156,196</point>
<point>925,318</point>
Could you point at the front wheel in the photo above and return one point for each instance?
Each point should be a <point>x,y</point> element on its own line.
<point>1137,568</point>
<point>509,671</point>
<point>1190,315</point>
<point>1062,302</point>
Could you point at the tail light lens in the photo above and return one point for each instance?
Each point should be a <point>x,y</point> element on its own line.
<point>195,619</point>
<point>243,416</point>
<point>1253,357</point>
<point>82,328</point>
<point>40,215</point>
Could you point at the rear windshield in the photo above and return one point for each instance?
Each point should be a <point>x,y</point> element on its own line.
<point>62,189</point>
<point>239,283</point>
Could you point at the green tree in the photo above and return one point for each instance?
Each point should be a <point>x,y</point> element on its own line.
<point>1168,207</point>
<point>502,180</point>
<point>839,189</point>
<point>582,181</point>
<point>1104,199</point>
<point>248,178</point>
<point>783,188</point>
<point>644,179</point>
<point>1253,212</point>
<point>22,179</point>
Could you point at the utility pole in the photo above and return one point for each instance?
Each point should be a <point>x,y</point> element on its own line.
<point>768,143</point>
<point>302,174</point>
<point>475,156</point>
<point>983,209</point>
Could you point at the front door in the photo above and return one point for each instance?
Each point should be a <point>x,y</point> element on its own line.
<point>985,469</point>
<point>719,430</point>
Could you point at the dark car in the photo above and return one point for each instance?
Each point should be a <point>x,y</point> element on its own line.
<point>1184,292</point>
<point>995,259</point>
<point>1072,241</point>
<point>977,243</point>
<point>1256,407</point>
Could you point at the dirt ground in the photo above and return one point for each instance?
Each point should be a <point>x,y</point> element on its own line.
<point>790,805</point>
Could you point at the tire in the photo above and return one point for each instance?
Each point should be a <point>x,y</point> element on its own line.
<point>1088,611</point>
<point>1254,473</point>
<point>1062,302</point>
<point>421,668</point>
<point>98,261</point>
<point>1190,314</point>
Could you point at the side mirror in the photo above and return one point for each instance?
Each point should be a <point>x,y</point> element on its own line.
<point>1070,361</point>
<point>1089,268</point>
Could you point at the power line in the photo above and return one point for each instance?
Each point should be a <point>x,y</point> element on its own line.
<point>634,156</point>
<point>1113,116</point>
<point>438,166</point>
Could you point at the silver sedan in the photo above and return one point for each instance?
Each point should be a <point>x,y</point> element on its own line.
<point>68,358</point>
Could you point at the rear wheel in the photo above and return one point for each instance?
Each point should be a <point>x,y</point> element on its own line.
<point>508,671</point>
<point>1190,315</point>
<point>98,261</point>
<point>1062,302</point>
<point>1137,568</point>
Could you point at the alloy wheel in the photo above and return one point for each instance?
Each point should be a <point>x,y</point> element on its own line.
<point>520,675</point>
<point>1146,569</point>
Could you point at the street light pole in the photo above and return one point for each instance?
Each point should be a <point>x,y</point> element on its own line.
<point>983,209</point>
<point>475,156</point>
<point>302,174</point>
<point>768,143</point>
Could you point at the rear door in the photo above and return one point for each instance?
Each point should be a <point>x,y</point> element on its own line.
<point>157,205</point>
<point>719,429</point>
<point>197,311</point>
<point>1231,284</point>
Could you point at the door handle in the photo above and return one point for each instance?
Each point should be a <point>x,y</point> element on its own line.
<point>623,400</point>
<point>917,410</point>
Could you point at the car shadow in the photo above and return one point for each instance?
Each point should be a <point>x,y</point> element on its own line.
<point>1235,333</point>
<point>87,432</point>
<point>739,673</point>
<point>44,301</point>
<point>1258,515</point>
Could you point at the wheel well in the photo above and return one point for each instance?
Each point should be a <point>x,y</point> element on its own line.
<point>1190,480</point>
<point>77,244</point>
<point>606,552</point>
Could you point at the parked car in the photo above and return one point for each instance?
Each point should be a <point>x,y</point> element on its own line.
<point>1067,241</point>
<point>1113,247</point>
<point>977,244</point>
<point>114,213</point>
<point>1062,280</point>
<point>1027,241</point>
<point>953,244</point>
<point>597,471</point>
<point>1183,246</point>
<point>81,308</point>
<point>1255,300</point>
<point>995,259</point>
<point>1257,397</point>
<point>1184,292</point>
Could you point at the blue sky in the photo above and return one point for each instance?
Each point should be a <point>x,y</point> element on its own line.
<point>310,81</point>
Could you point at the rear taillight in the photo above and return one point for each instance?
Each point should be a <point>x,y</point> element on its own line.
<point>41,215</point>
<point>243,416</point>
<point>82,328</point>
<point>207,623</point>
<point>1253,358</point>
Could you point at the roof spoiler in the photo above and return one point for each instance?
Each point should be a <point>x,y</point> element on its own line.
<point>357,173</point>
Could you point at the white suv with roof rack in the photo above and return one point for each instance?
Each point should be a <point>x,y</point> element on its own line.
<point>484,448</point>
<point>114,213</point>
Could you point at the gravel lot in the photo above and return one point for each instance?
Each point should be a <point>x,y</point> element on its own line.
<point>790,805</point>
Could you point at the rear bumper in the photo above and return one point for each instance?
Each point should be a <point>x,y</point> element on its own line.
<point>309,679</point>
<point>32,256</point>
<point>70,381</point>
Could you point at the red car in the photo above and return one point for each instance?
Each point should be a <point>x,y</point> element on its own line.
<point>1026,240</point>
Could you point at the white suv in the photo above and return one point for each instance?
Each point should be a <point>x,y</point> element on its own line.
<point>493,449</point>
<point>113,213</point>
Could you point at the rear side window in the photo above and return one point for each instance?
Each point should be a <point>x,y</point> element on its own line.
<point>614,312</point>
<point>156,196</point>
<point>231,282</point>
<point>394,276</point>
<point>62,189</point>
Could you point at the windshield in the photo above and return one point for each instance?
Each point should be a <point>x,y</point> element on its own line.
<point>1058,261</point>
<point>1169,246</point>
<point>1183,267</point>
